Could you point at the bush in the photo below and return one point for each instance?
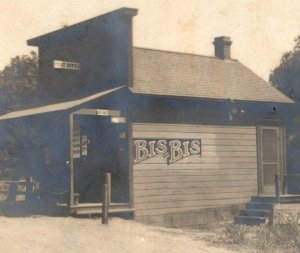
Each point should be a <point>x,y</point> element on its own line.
<point>284,234</point>
<point>235,234</point>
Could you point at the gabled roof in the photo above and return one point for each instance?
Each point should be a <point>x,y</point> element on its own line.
<point>158,72</point>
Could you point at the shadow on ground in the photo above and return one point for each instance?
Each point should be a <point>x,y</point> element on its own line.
<point>24,209</point>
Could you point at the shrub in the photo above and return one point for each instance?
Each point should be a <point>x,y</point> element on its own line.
<point>235,234</point>
<point>284,234</point>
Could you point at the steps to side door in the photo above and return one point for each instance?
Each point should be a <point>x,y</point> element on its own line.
<point>260,209</point>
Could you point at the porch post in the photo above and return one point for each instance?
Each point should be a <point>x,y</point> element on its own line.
<point>277,190</point>
<point>71,169</point>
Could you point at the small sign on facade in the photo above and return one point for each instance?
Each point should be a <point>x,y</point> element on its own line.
<point>118,120</point>
<point>76,140</point>
<point>101,112</point>
<point>66,65</point>
<point>84,145</point>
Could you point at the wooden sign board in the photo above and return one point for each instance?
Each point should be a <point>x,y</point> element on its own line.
<point>101,112</point>
<point>118,120</point>
<point>98,112</point>
<point>66,65</point>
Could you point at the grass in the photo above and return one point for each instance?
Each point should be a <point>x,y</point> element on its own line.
<point>282,236</point>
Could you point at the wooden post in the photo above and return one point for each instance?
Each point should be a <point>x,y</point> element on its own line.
<point>284,184</point>
<point>277,187</point>
<point>130,165</point>
<point>71,165</point>
<point>28,187</point>
<point>105,204</point>
<point>107,181</point>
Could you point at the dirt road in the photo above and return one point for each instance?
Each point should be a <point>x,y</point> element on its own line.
<point>53,234</point>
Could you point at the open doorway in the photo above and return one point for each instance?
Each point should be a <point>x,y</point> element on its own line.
<point>99,147</point>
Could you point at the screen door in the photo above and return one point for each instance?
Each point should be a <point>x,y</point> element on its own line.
<point>271,158</point>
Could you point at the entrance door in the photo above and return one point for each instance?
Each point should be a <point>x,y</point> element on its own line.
<point>270,158</point>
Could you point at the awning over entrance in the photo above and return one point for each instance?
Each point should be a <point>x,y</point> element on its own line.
<point>56,107</point>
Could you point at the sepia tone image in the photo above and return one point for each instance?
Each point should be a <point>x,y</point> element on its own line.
<point>150,126</point>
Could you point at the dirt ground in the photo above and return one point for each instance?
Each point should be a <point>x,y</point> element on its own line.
<point>67,234</point>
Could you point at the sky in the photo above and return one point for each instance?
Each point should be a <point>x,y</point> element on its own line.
<point>261,30</point>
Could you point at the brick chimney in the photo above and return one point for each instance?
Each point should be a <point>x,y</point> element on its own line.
<point>222,47</point>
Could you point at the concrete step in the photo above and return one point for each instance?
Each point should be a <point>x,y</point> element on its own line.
<point>290,196</point>
<point>256,212</point>
<point>264,199</point>
<point>289,199</point>
<point>260,209</point>
<point>249,220</point>
<point>264,206</point>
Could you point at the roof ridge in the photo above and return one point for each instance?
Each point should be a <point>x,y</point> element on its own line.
<point>182,53</point>
<point>76,25</point>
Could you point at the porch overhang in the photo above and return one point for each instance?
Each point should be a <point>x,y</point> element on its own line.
<point>57,107</point>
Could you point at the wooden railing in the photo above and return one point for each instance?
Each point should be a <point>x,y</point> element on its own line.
<point>30,187</point>
<point>281,183</point>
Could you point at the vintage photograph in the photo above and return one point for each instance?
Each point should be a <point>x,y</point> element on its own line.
<point>150,126</point>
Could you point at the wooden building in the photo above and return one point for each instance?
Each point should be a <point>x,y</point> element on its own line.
<point>186,137</point>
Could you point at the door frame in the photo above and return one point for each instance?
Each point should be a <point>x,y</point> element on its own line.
<point>82,111</point>
<point>281,138</point>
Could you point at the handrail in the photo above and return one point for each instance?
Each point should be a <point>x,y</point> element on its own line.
<point>12,181</point>
<point>277,193</point>
<point>284,185</point>
<point>288,174</point>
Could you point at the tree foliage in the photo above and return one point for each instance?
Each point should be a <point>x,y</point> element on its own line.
<point>18,90</point>
<point>18,83</point>
<point>286,77</point>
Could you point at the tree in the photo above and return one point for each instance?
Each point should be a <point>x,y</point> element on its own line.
<point>18,83</point>
<point>18,90</point>
<point>286,77</point>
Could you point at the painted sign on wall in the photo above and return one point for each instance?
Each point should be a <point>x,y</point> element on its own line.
<point>172,150</point>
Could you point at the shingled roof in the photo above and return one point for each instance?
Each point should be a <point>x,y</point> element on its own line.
<point>158,72</point>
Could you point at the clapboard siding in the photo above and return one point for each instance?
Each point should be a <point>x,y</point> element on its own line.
<point>206,136</point>
<point>163,211</point>
<point>191,172</point>
<point>192,178</point>
<point>229,148</point>
<point>195,159</point>
<point>221,142</point>
<point>193,218</point>
<point>193,213</point>
<point>188,203</point>
<point>224,174</point>
<point>145,127</point>
<point>177,206</point>
<point>200,166</point>
<point>228,153</point>
<point>194,190</point>
<point>185,197</point>
<point>176,185</point>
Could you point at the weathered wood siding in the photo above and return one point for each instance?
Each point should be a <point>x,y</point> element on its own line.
<point>224,175</point>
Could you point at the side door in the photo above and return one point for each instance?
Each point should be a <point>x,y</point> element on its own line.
<point>270,158</point>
